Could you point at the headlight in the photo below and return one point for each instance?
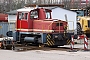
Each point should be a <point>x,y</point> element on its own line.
<point>56,36</point>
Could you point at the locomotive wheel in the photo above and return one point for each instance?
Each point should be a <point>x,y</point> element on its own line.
<point>2,47</point>
<point>88,35</point>
<point>55,46</point>
<point>79,29</point>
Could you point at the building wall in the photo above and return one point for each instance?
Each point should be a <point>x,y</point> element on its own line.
<point>5,27</point>
<point>3,17</point>
<point>12,18</point>
<point>59,13</point>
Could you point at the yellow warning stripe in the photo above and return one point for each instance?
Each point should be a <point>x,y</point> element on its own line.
<point>49,41</point>
<point>48,37</point>
<point>68,42</point>
<point>52,42</point>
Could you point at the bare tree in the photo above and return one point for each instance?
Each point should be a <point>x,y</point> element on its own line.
<point>8,5</point>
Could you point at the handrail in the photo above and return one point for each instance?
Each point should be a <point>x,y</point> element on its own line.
<point>59,26</point>
<point>42,27</point>
<point>49,26</point>
<point>73,25</point>
<point>20,30</point>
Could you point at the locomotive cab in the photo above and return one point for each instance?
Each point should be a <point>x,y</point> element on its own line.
<point>25,18</point>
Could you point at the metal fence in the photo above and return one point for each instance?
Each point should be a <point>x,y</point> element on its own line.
<point>5,27</point>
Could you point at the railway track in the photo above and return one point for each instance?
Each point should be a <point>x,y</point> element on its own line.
<point>28,48</point>
<point>20,48</point>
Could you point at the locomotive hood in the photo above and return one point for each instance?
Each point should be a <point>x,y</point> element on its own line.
<point>53,20</point>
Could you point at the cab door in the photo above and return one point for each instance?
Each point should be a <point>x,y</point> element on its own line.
<point>22,21</point>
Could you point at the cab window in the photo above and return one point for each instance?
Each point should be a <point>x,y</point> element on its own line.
<point>33,14</point>
<point>47,15</point>
<point>23,15</point>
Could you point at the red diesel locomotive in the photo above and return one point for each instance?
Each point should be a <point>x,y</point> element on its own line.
<point>36,26</point>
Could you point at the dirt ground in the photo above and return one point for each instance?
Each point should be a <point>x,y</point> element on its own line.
<point>44,55</point>
<point>47,55</point>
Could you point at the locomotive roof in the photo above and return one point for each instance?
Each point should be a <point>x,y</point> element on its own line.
<point>27,9</point>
